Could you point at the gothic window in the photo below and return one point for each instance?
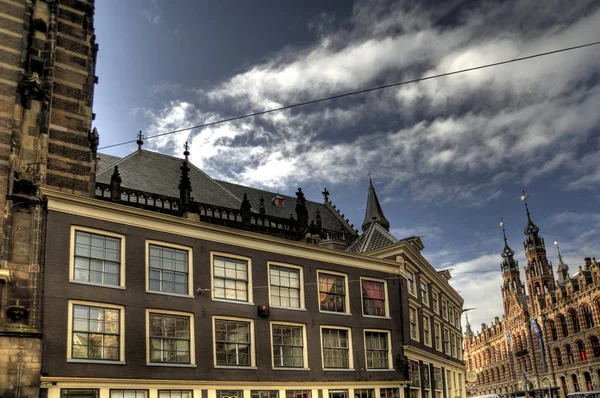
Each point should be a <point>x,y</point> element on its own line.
<point>575,383</point>
<point>563,383</point>
<point>595,346</point>
<point>588,317</point>
<point>563,325</point>
<point>588,381</point>
<point>558,356</point>
<point>581,349</point>
<point>538,291</point>
<point>552,326</point>
<point>570,359</point>
<point>574,320</point>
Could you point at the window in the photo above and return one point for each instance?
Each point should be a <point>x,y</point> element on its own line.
<point>336,344</point>
<point>453,344</point>
<point>449,383</point>
<point>437,378</point>
<point>233,342</point>
<point>389,393</point>
<point>414,375</point>
<point>97,257</point>
<point>426,380</point>
<point>338,393</point>
<point>575,383</point>
<point>445,309</point>
<point>374,297</point>
<point>288,345</point>
<point>424,293</point>
<point>96,332</point>
<point>378,349</point>
<point>553,332</point>
<point>456,318</point>
<point>286,286</point>
<point>563,325</point>
<point>128,393</point>
<point>79,393</point>
<point>574,320</point>
<point>175,394</point>
<point>364,393</point>
<point>588,317</point>
<point>264,394</point>
<point>414,325</point>
<point>459,353</point>
<point>438,336</point>
<point>426,330</point>
<point>168,268</point>
<point>231,278</point>
<point>435,302</point>
<point>595,346</point>
<point>298,394</point>
<point>410,282</point>
<point>332,292</point>
<point>558,356</point>
<point>570,359</point>
<point>581,349</point>
<point>170,337</point>
<point>230,394</point>
<point>447,341</point>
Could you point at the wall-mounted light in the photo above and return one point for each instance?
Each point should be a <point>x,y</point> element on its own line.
<point>263,311</point>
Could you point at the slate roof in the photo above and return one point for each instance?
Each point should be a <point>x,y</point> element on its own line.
<point>159,174</point>
<point>374,237</point>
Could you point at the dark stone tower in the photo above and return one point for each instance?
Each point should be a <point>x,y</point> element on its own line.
<point>47,77</point>
<point>510,274</point>
<point>538,273</point>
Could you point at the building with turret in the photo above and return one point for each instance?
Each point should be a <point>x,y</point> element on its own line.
<point>547,341</point>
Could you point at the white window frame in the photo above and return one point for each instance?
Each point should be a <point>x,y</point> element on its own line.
<point>444,309</point>
<point>417,326</point>
<point>412,291</point>
<point>438,336</point>
<point>252,342</point>
<point>350,352</point>
<point>386,297</point>
<point>435,303</point>
<point>192,318</point>
<point>301,281</point>
<point>451,314</point>
<point>304,346</point>
<point>425,296</point>
<point>190,293</point>
<point>248,260</point>
<point>427,322</point>
<point>121,309</point>
<point>453,344</point>
<point>446,343</point>
<point>346,296</point>
<point>121,237</point>
<point>427,370</point>
<point>390,349</point>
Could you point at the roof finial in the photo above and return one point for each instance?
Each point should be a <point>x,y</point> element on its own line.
<point>325,194</point>
<point>369,175</point>
<point>503,230</point>
<point>186,153</point>
<point>140,141</point>
<point>524,199</point>
<point>507,252</point>
<point>558,250</point>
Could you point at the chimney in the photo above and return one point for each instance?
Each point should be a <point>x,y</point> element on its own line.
<point>588,263</point>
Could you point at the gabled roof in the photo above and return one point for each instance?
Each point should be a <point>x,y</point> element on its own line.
<point>159,174</point>
<point>374,237</point>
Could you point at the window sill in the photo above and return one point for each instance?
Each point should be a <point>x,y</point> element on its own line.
<point>336,313</point>
<point>377,317</point>
<point>96,361</point>
<point>381,370</point>
<point>339,370</point>
<point>171,365</point>
<point>231,301</point>
<point>97,284</point>
<point>235,367</point>
<point>282,368</point>
<point>169,294</point>
<point>288,308</point>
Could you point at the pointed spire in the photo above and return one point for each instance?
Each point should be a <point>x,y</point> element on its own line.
<point>140,140</point>
<point>530,228</point>
<point>532,240</point>
<point>374,214</point>
<point>562,269</point>
<point>261,205</point>
<point>185,185</point>
<point>246,206</point>
<point>115,185</point>
<point>508,261</point>
<point>186,153</point>
<point>507,251</point>
<point>301,210</point>
<point>468,330</point>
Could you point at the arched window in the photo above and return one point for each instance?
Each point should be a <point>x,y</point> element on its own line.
<point>537,289</point>
<point>570,358</point>
<point>563,384</point>
<point>588,381</point>
<point>574,320</point>
<point>595,346</point>
<point>558,356</point>
<point>588,317</point>
<point>553,332</point>
<point>581,349</point>
<point>575,383</point>
<point>563,325</point>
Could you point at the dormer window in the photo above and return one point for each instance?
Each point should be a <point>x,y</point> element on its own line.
<point>278,200</point>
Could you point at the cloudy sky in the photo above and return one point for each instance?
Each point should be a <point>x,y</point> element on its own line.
<point>449,156</point>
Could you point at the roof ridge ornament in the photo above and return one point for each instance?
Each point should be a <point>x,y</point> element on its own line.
<point>530,228</point>
<point>186,153</point>
<point>140,140</point>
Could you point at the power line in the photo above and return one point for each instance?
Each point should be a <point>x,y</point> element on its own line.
<point>351,93</point>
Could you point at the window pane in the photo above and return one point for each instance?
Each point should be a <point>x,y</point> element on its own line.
<point>332,295</point>
<point>96,333</point>
<point>169,338</point>
<point>97,258</point>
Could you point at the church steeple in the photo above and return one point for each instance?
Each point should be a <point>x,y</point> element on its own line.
<point>533,240</point>
<point>562,269</point>
<point>508,261</point>
<point>374,214</point>
<point>510,274</point>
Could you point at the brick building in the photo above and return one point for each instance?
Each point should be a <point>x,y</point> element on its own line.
<point>548,337</point>
<point>47,62</point>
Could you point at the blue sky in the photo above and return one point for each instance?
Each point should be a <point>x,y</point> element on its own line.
<point>449,157</point>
